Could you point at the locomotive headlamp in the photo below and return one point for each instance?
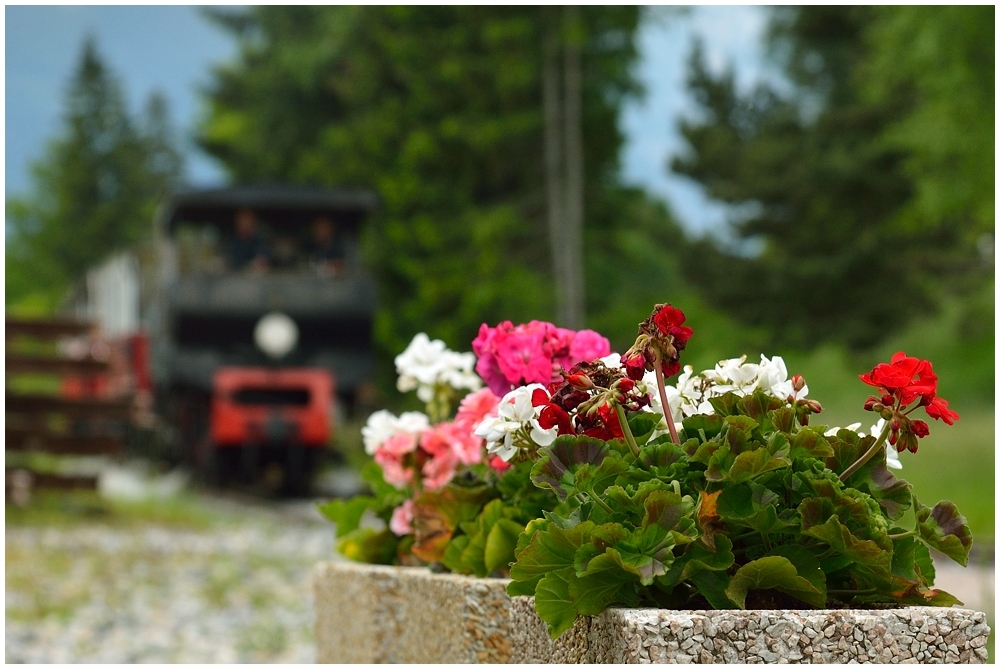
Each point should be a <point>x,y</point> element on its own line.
<point>276,334</point>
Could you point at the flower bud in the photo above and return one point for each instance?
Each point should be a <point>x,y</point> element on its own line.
<point>635,365</point>
<point>625,385</point>
<point>580,381</point>
<point>893,438</point>
<point>872,404</point>
<point>813,406</point>
<point>920,428</point>
<point>894,425</point>
<point>885,413</point>
<point>887,399</point>
<point>798,383</point>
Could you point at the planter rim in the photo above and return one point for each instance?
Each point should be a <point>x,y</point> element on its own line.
<point>424,572</point>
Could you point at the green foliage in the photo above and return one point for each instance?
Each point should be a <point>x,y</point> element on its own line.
<point>440,110</point>
<point>745,513</point>
<point>868,187</point>
<point>94,191</point>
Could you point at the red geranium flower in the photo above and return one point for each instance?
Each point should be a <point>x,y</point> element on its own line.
<point>552,415</point>
<point>905,378</point>
<point>669,320</point>
<point>938,409</point>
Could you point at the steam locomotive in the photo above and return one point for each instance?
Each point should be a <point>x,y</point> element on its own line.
<point>259,315</point>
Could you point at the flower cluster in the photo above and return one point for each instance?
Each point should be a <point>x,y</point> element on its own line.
<point>584,402</point>
<point>661,339</point>
<point>428,367</point>
<point>412,452</point>
<point>535,352</point>
<point>628,491</point>
<point>906,383</point>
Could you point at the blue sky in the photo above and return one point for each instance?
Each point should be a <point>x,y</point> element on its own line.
<point>172,49</point>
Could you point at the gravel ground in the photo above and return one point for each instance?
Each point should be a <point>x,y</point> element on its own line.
<point>99,594</point>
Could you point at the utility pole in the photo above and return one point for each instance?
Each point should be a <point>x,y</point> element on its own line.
<point>563,148</point>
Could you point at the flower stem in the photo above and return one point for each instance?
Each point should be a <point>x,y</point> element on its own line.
<point>600,502</point>
<point>667,415</point>
<point>903,535</point>
<point>879,443</point>
<point>626,430</point>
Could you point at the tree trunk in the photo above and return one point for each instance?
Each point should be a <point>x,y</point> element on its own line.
<point>572,311</point>
<point>552,109</point>
<point>564,166</point>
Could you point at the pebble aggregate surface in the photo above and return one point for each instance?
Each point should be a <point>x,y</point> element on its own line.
<point>240,592</point>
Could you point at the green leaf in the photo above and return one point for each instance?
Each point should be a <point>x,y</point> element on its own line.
<point>725,405</point>
<point>911,560</point>
<point>500,544</point>
<point>662,454</point>
<point>643,424</point>
<point>945,529</point>
<point>550,549</point>
<point>758,405</point>
<point>597,479</point>
<point>474,554</point>
<point>346,514</point>
<point>605,582</point>
<point>557,463</point>
<point>713,586</point>
<point>751,464</point>
<point>809,443</point>
<point>806,565</point>
<point>847,448</point>
<point>834,533</point>
<point>700,557</point>
<point>453,555</point>
<point>894,495</point>
<point>648,552</point>
<point>368,545</point>
<point>772,573</point>
<point>783,419</point>
<point>709,424</point>
<point>553,603</point>
<point>665,508</point>
<point>738,432</point>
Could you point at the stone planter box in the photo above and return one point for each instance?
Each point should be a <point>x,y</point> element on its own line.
<point>367,613</point>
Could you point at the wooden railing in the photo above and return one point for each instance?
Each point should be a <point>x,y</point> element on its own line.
<point>55,423</point>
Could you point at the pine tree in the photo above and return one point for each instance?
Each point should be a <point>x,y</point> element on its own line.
<point>94,191</point>
<point>823,186</point>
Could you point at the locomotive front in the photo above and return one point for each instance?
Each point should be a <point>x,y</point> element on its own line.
<point>265,328</point>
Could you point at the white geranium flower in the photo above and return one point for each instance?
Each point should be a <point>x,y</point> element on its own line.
<point>732,375</point>
<point>516,417</point>
<point>383,424</point>
<point>771,373</point>
<point>853,427</point>
<point>612,361</point>
<point>380,426</point>
<point>426,364</point>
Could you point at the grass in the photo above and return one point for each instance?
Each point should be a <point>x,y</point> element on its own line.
<point>64,509</point>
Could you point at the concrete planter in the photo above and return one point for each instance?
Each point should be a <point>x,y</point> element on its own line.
<point>367,613</point>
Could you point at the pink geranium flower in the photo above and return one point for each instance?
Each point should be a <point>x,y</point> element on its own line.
<point>453,438</point>
<point>401,522</point>
<point>393,470</point>
<point>439,470</point>
<point>522,359</point>
<point>487,365</point>
<point>588,346</point>
<point>475,407</point>
<point>400,443</point>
